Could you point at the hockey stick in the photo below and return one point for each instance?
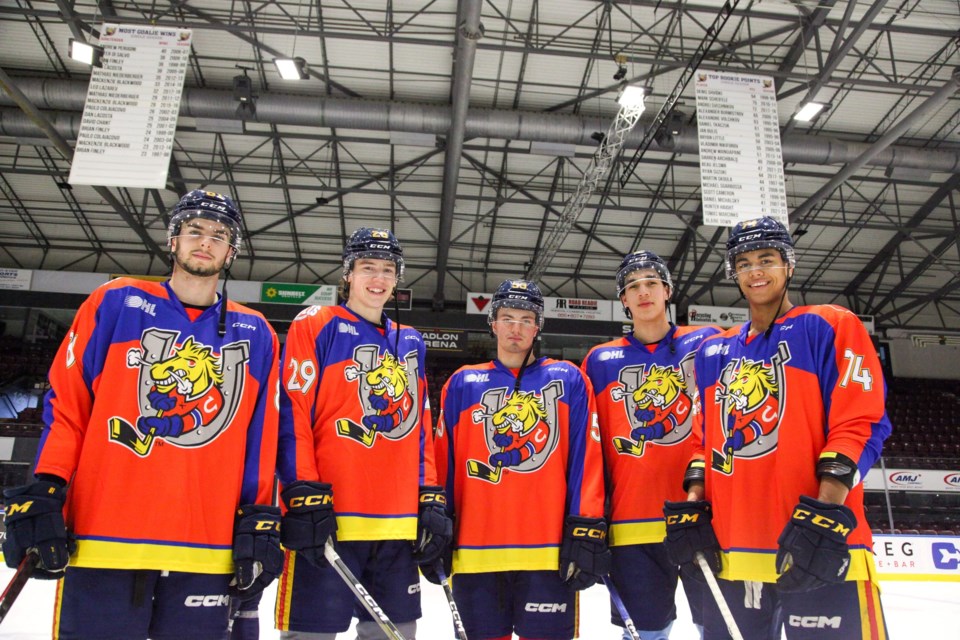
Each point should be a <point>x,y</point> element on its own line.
<point>378,615</point>
<point>718,597</point>
<point>20,577</point>
<point>458,628</point>
<point>621,609</point>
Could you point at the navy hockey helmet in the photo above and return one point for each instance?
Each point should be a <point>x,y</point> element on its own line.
<point>378,244</point>
<point>517,294</point>
<point>209,206</point>
<point>642,261</point>
<point>759,233</point>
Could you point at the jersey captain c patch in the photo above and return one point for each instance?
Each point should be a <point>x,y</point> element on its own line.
<point>187,394</point>
<point>388,390</point>
<point>521,430</point>
<point>657,403</point>
<point>751,395</point>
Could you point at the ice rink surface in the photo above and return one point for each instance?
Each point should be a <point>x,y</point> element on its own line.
<point>928,610</point>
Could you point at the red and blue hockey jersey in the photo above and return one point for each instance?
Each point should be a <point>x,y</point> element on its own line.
<point>771,405</point>
<point>517,462</point>
<point>644,403</point>
<point>355,413</point>
<point>162,427</point>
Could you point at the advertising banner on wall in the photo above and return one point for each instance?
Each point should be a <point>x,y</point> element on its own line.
<point>905,557</point>
<point>324,295</point>
<point>725,317</point>
<point>566,308</point>
<point>446,340</point>
<point>938,481</point>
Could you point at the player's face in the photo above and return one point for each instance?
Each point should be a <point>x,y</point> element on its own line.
<point>645,295</point>
<point>762,275</point>
<point>202,248</point>
<point>372,282</point>
<point>515,330</point>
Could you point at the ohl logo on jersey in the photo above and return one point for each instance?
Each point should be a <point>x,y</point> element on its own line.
<point>188,395</point>
<point>657,404</point>
<point>388,391</point>
<point>521,430</point>
<point>751,395</point>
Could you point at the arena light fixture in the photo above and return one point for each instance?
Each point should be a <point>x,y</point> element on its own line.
<point>631,96</point>
<point>291,68</point>
<point>89,54</point>
<point>809,111</point>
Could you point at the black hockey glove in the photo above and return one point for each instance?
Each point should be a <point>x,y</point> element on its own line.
<point>309,520</point>
<point>689,530</point>
<point>257,556</point>
<point>584,556</point>
<point>34,522</point>
<point>813,546</point>
<point>434,526</point>
<point>430,572</point>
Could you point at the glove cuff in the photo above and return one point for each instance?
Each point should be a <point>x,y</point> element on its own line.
<point>306,495</point>
<point>432,495</point>
<point>581,528</point>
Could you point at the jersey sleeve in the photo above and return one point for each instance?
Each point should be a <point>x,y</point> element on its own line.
<point>854,392</point>
<point>443,441</point>
<point>585,482</point>
<point>428,469</point>
<point>69,402</point>
<point>300,374</point>
<point>696,410</point>
<point>260,460</point>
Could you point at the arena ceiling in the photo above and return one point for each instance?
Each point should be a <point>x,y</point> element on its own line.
<point>466,126</point>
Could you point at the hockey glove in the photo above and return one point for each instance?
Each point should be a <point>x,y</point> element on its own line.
<point>164,427</point>
<point>813,546</point>
<point>434,526</point>
<point>584,556</point>
<point>689,530</point>
<point>379,423</point>
<point>34,521</point>
<point>379,403</point>
<point>430,572</point>
<point>652,432</point>
<point>257,556</point>
<point>508,458</point>
<point>309,520</point>
<point>161,401</point>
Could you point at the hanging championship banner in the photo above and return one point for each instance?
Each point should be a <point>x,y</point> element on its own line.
<point>741,167</point>
<point>130,114</point>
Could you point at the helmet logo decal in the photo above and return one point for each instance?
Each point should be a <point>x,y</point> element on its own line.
<point>521,430</point>
<point>188,394</point>
<point>751,395</point>
<point>389,390</point>
<point>657,403</point>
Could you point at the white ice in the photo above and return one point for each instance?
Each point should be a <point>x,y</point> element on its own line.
<point>928,610</point>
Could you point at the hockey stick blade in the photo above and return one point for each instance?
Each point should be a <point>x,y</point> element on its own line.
<point>362,595</point>
<point>458,627</point>
<point>718,597</point>
<point>621,609</point>
<point>20,577</point>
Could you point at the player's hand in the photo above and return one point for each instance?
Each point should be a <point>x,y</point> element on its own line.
<point>378,402</point>
<point>509,458</point>
<point>434,526</point>
<point>309,521</point>
<point>690,530</point>
<point>34,523</point>
<point>163,426</point>
<point>734,442</point>
<point>644,415</point>
<point>584,556</point>
<point>813,546</point>
<point>161,401</point>
<point>502,439</point>
<point>378,423</point>
<point>257,556</point>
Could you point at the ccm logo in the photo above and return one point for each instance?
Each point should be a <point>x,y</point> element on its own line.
<point>414,588</point>
<point>815,622</point>
<point>222,600</point>
<point>310,501</point>
<point>683,518</point>
<point>821,521</point>
<point>589,532</point>
<point>545,607</point>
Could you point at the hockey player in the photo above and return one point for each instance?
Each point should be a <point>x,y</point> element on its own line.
<point>792,418</point>
<point>356,455</point>
<point>644,391</point>
<point>519,452</point>
<point>159,449</point>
